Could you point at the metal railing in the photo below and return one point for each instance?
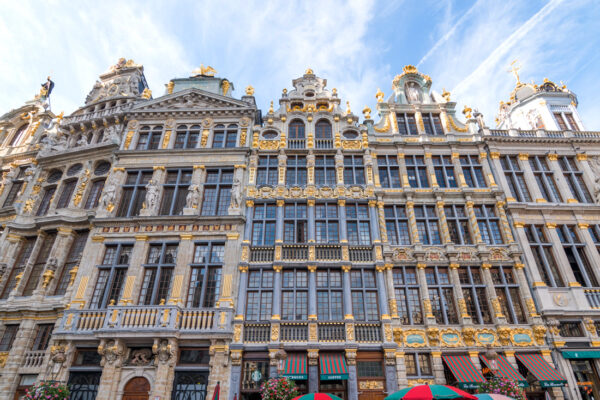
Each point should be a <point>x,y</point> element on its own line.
<point>368,332</point>
<point>34,358</point>
<point>294,332</point>
<point>261,254</point>
<point>332,331</point>
<point>257,333</point>
<point>294,253</point>
<point>361,254</point>
<point>328,253</point>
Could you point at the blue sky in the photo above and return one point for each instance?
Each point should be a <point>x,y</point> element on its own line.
<point>358,46</point>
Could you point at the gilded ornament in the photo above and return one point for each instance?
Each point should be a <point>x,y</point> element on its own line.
<point>47,275</point>
<point>539,333</point>
<point>367,112</point>
<point>348,110</point>
<point>446,94</point>
<point>433,335</point>
<point>225,85</point>
<point>3,358</point>
<point>468,336</point>
<point>504,335</point>
<point>312,333</point>
<point>274,332</point>
<point>379,95</point>
<point>203,71</point>
<point>147,94</point>
<point>237,332</point>
<point>350,332</point>
<point>467,112</point>
<point>170,87</point>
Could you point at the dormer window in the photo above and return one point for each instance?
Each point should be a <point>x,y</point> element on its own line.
<point>323,135</point>
<point>350,135</point>
<point>566,122</point>
<point>433,124</point>
<point>407,124</point>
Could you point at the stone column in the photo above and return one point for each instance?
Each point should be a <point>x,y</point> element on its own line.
<point>342,216</point>
<point>419,123</point>
<point>310,168</point>
<point>487,171</point>
<point>241,300</point>
<point>375,238</point>
<point>382,292</point>
<point>165,351</point>
<point>431,170</point>
<point>348,314</point>
<point>248,226</point>
<point>460,299</point>
<point>352,381</point>
<point>310,213</point>
<point>490,289</point>
<point>557,392</point>
<point>443,222</point>
<point>22,281</point>
<point>473,222</point>
<point>391,375</point>
<point>138,257</point>
<point>277,293</point>
<point>508,236</point>
<point>532,185</point>
<point>460,176</point>
<point>381,216</point>
<point>559,178</point>
<point>236,373</point>
<point>428,317</point>
<point>437,366</point>
<point>312,292</point>
<point>281,165</point>
<point>402,169</point>
<point>474,356</point>
<point>113,355</point>
<point>412,222</point>
<point>279,222</point>
<point>182,271</point>
<point>339,167</point>
<point>91,256</point>
<point>391,293</point>
<point>21,344</point>
<point>588,174</point>
<point>313,370</point>
<point>525,292</point>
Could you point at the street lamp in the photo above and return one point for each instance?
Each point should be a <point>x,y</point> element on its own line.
<point>280,356</point>
<point>492,358</point>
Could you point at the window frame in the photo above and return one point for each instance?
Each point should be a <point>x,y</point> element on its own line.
<point>446,309</point>
<point>298,308</point>
<point>369,309</point>
<point>263,311</point>
<point>577,249</point>
<point>328,221</point>
<point>541,249</point>
<point>400,225</point>
<point>161,267</point>
<point>432,127</point>
<point>267,174</point>
<point>296,221</point>
<point>222,188</point>
<point>138,192</point>
<point>179,191</point>
<point>154,136</point>
<point>207,267</point>
<point>102,301</point>
<point>488,223</point>
<point>335,306</point>
<point>228,132</point>
<point>325,166</point>
<point>268,219</point>
<point>478,295</point>
<point>187,133</point>
<point>296,168</point>
<point>389,171</point>
<point>443,169</point>
<point>425,222</point>
<point>416,171</point>
<point>356,235</point>
<point>407,124</point>
<point>508,288</point>
<point>515,177</point>
<point>457,223</point>
<point>407,315</point>
<point>544,176</point>
<point>472,171</point>
<point>574,178</point>
<point>354,170</point>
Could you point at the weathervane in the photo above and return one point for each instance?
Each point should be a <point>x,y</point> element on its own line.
<point>514,69</point>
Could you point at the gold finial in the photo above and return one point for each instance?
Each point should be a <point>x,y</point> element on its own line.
<point>146,94</point>
<point>367,112</point>
<point>467,112</point>
<point>515,70</point>
<point>348,110</point>
<point>562,85</point>
<point>546,80</point>
<point>309,71</point>
<point>249,90</point>
<point>271,111</point>
<point>60,116</point>
<point>446,94</point>
<point>203,71</point>
<point>334,91</point>
<point>225,85</point>
<point>284,91</point>
<point>410,69</point>
<point>170,87</point>
<point>379,95</point>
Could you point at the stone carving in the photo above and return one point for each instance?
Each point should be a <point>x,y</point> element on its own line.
<point>140,357</point>
<point>112,134</point>
<point>109,193</point>
<point>55,139</point>
<point>433,335</point>
<point>193,197</point>
<point>595,165</point>
<point>504,335</point>
<point>236,193</point>
<point>164,351</point>
<point>48,275</point>
<point>58,352</point>
<point>151,195</point>
<point>468,335</point>
<point>111,351</point>
<point>402,254</point>
<point>539,334</point>
<point>82,141</point>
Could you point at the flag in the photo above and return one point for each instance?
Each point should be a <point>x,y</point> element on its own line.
<point>217,391</point>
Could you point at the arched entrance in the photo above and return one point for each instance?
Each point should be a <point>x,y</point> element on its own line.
<point>137,389</point>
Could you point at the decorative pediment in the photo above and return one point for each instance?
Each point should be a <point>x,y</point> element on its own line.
<point>190,100</point>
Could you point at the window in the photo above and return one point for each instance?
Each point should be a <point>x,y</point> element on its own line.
<point>94,195</point>
<point>575,250</point>
<point>416,171</point>
<point>327,223</point>
<point>369,369</point>
<point>102,168</point>
<point>175,190</point>
<point>541,248</point>
<point>323,135</point>
<point>190,385</point>
<point>507,291</point>
<point>472,171</point>
<point>364,295</point>
<point>149,138</point>
<point>545,179</point>
<point>225,136</point>
<point>294,295</point>
<point>406,288</point>
<point>46,200</point>
<point>444,171</point>
<point>594,231</point>
<point>267,171</point>
<point>407,125</point>
<point>296,138</point>
<point>389,172</point>
<point>441,295</point>
<point>296,171</point>
<point>329,295</point>
<point>489,224</point>
<point>396,225</point>
<point>427,225</point>
<point>474,294</point>
<point>561,122</point>
<point>158,273</point>
<point>263,224</point>
<point>563,118</point>
<point>68,187</point>
<point>325,171</point>
<point>74,169</point>
<point>354,170</point>
<point>8,337</point>
<point>40,263</point>
<point>571,122</point>
<point>205,279</point>
<point>458,224</point>
<point>357,223</point>
<point>574,179</point>
<point>418,365</point>
<point>134,193</point>
<point>18,136</point>
<point>42,337</point>
<point>217,192</point>
<point>19,266</point>
<point>295,223</point>
<point>187,136</point>
<point>515,178</point>
<point>111,275</point>
<point>433,124</point>
<point>72,260</point>
<point>84,385</point>
<point>260,295</point>
<point>570,329</point>
<point>15,187</point>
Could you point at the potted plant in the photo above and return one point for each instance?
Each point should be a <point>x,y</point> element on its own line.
<point>47,390</point>
<point>278,389</point>
<point>506,387</point>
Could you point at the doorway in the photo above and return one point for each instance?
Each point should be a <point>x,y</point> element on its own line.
<point>137,389</point>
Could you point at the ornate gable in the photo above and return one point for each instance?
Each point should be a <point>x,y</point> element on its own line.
<point>190,100</point>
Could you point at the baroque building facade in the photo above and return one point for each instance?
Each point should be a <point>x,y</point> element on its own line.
<point>164,247</point>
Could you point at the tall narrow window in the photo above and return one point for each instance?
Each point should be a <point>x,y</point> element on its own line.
<point>40,264</point>
<point>217,192</point>
<point>19,266</point>
<point>46,200</point>
<point>364,295</point>
<point>515,178</point>
<point>295,223</point>
<point>158,273</point>
<point>294,295</point>
<point>267,170</point>
<point>441,295</point>
<point>594,231</point>
<point>507,290</point>
<point>225,136</point>
<point>407,124</point>
<point>545,179</point>
<point>68,187</point>
<point>42,337</point>
<point>358,224</point>
<point>134,193</point>
<point>187,136</point>
<point>433,124</point>
<point>541,248</point>
<point>325,171</point>
<point>427,224</point>
<point>396,225</point>
<point>444,171</point>
<point>95,192</point>
<point>205,279</point>
<point>389,172</point>
<point>416,171</point>
<point>561,122</point>
<point>296,171</point>
<point>175,190</point>
<point>473,289</point>
<point>259,305</point>
<point>149,138</point>
<point>111,275</point>
<point>18,136</point>
<point>473,171</point>
<point>571,121</point>
<point>574,178</point>
<point>327,223</point>
<point>15,188</point>
<point>458,224</point>
<point>8,337</point>
<point>406,288</point>
<point>72,260</point>
<point>296,138</point>
<point>418,365</point>
<point>575,250</point>
<point>323,138</point>
<point>354,170</point>
<point>263,224</point>
<point>489,224</point>
<point>330,304</point>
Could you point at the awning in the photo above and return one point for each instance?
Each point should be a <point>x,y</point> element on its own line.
<point>506,370</point>
<point>581,354</point>
<point>333,367</point>
<point>467,376</point>
<point>295,367</point>
<point>543,371</point>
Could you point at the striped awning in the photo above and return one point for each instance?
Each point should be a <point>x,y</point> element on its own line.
<point>295,367</point>
<point>543,371</point>
<point>506,370</point>
<point>467,376</point>
<point>333,367</point>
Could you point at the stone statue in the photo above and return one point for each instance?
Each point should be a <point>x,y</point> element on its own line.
<point>595,165</point>
<point>108,196</point>
<point>164,351</point>
<point>413,93</point>
<point>55,139</point>
<point>151,195</point>
<point>112,134</point>
<point>111,351</point>
<point>193,197</point>
<point>140,357</point>
<point>82,141</point>
<point>236,193</point>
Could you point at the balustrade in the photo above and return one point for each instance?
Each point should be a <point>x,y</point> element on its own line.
<point>294,253</point>
<point>368,332</point>
<point>332,332</point>
<point>328,253</point>
<point>296,143</point>
<point>294,332</point>
<point>361,254</point>
<point>257,333</point>
<point>34,358</point>
<point>261,254</point>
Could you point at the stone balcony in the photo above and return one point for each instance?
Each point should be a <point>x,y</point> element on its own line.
<point>322,332</point>
<point>321,253</point>
<point>540,133</point>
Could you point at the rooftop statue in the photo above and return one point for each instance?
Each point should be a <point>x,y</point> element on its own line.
<point>203,71</point>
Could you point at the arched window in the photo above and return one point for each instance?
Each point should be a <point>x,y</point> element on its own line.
<point>16,140</point>
<point>296,130</point>
<point>225,137</point>
<point>323,130</point>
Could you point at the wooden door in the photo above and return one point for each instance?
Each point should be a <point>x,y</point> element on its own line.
<point>137,389</point>
<point>371,395</point>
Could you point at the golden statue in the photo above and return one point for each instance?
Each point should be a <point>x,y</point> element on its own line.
<point>146,94</point>
<point>446,94</point>
<point>348,110</point>
<point>170,87</point>
<point>203,71</point>
<point>249,90</point>
<point>225,85</point>
<point>309,71</point>
<point>467,112</point>
<point>271,111</point>
<point>515,70</point>
<point>379,95</point>
<point>367,112</point>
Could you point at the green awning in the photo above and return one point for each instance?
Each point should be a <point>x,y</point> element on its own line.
<point>543,372</point>
<point>295,367</point>
<point>581,354</point>
<point>333,367</point>
<point>463,369</point>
